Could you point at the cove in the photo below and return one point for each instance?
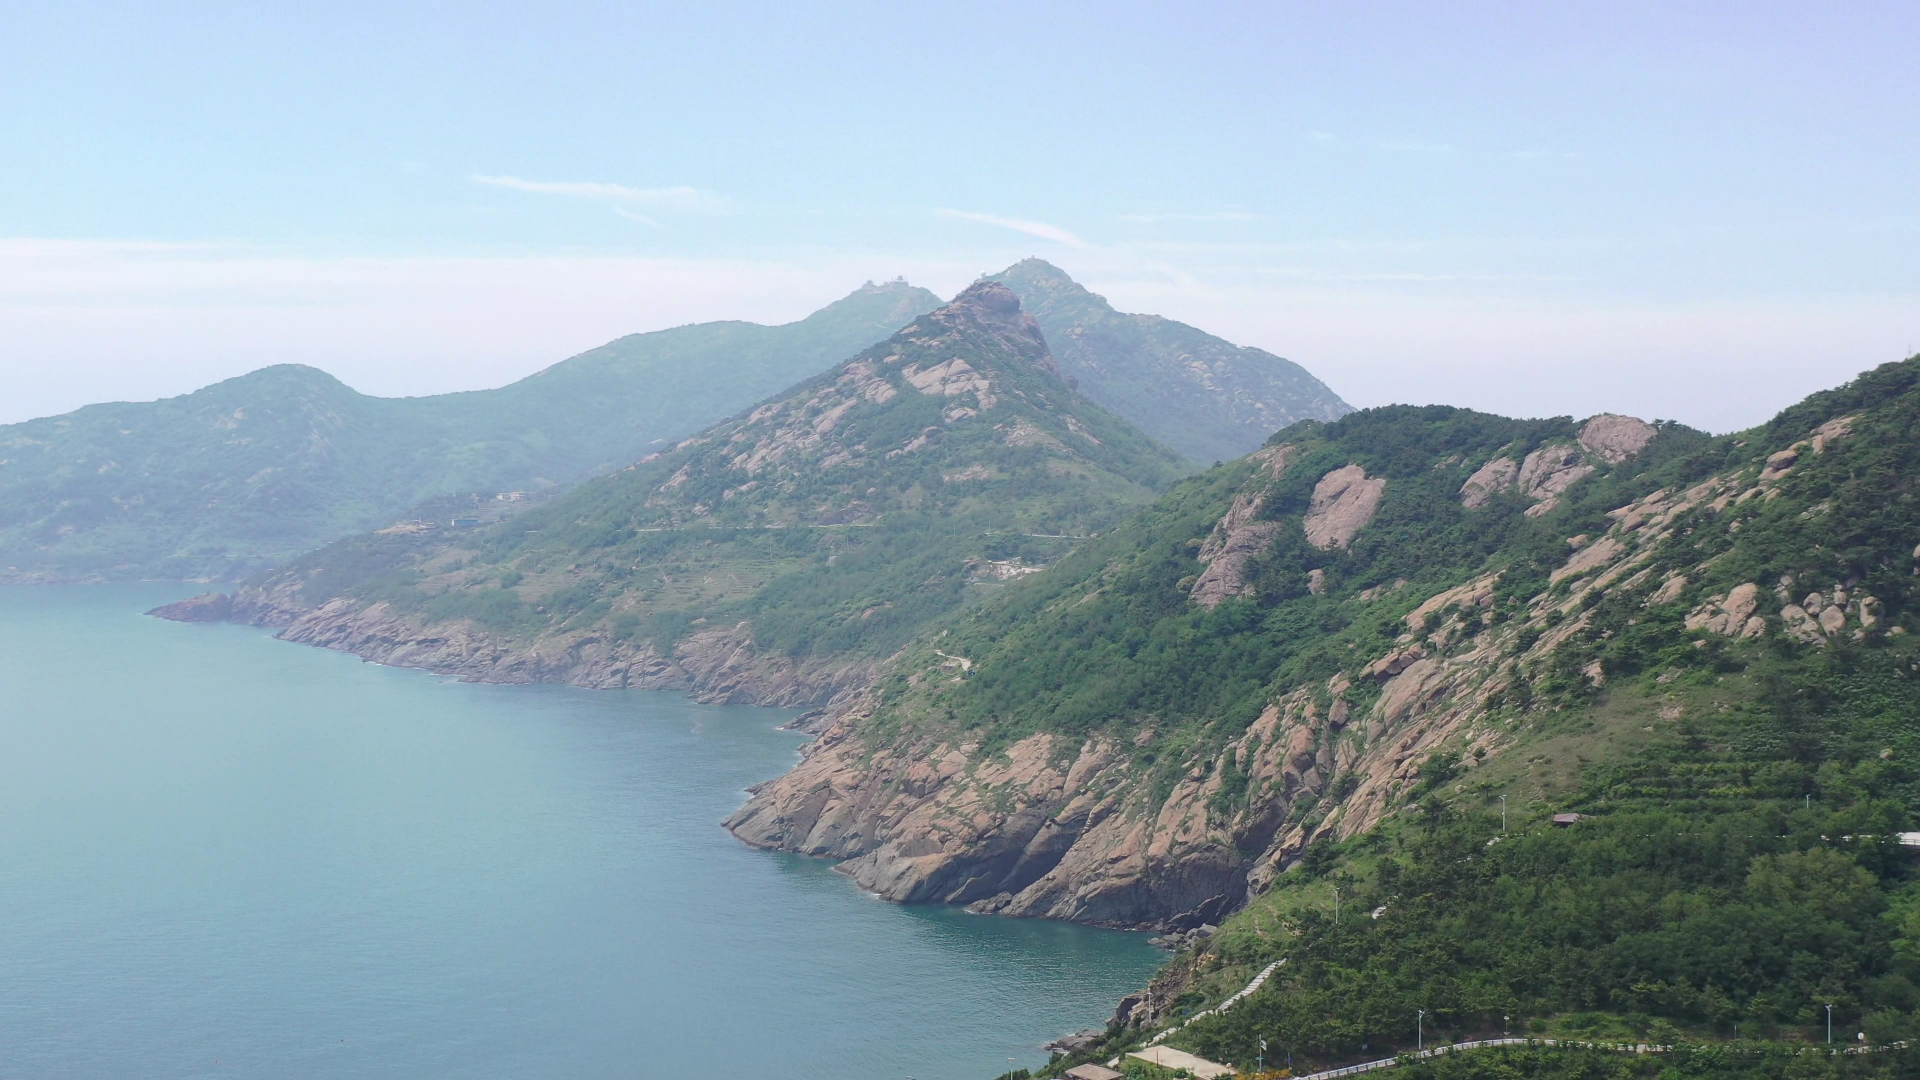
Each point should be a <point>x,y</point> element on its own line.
<point>223,855</point>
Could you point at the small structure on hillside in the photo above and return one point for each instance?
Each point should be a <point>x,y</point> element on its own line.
<point>1564,820</point>
<point>1091,1071</point>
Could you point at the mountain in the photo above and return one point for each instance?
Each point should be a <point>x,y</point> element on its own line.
<point>262,467</point>
<point>1380,655</point>
<point>1205,397</point>
<point>777,557</point>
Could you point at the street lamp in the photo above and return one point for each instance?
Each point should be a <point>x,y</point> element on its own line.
<point>1336,905</point>
<point>1829,1025</point>
<point>1420,1030</point>
<point>1503,815</point>
<point>1506,1026</point>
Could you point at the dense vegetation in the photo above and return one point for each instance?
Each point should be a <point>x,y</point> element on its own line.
<point>1731,880</point>
<point>274,463</point>
<point>1736,868</point>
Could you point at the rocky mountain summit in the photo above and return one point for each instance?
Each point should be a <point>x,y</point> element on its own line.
<point>1205,397</point>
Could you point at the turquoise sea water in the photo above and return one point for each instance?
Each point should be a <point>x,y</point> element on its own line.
<point>227,856</point>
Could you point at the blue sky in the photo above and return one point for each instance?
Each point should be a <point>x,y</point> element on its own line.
<point>1690,211</point>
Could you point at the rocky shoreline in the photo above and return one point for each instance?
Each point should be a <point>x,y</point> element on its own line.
<point>717,666</point>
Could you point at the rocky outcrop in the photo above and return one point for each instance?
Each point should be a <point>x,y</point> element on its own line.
<point>1238,538</point>
<point>1613,438</point>
<point>1036,830</point>
<point>1820,616</point>
<point>207,607</point>
<point>1551,469</point>
<point>717,665</point>
<point>1343,502</point>
<point>1730,615</point>
<point>1489,480</point>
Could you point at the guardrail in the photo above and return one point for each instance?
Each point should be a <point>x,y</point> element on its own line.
<point>1476,1044</point>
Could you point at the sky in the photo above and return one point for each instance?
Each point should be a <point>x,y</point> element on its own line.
<point>1690,212</point>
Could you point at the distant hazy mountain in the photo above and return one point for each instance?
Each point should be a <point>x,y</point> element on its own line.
<point>1210,399</point>
<point>776,557</point>
<point>287,458</point>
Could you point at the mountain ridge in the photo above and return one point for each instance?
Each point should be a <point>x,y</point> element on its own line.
<point>196,486</point>
<point>776,557</point>
<point>1204,396</point>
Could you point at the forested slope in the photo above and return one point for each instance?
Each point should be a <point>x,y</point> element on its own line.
<point>777,557</point>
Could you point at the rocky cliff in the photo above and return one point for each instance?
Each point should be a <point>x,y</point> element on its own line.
<point>1612,542</point>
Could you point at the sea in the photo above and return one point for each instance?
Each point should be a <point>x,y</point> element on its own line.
<point>223,855</point>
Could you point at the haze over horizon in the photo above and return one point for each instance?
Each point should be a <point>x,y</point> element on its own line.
<point>1699,213</point>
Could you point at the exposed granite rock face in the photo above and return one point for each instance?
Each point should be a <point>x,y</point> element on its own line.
<point>1343,502</point>
<point>1729,615</point>
<point>1551,470</point>
<point>1614,439</point>
<point>1238,538</point>
<point>1039,830</point>
<point>1554,468</point>
<point>1489,480</point>
<point>717,665</point>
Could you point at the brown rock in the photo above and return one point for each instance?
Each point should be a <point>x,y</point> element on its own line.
<point>1833,620</point>
<point>1491,479</point>
<point>1595,555</point>
<point>207,607</point>
<point>1343,502</point>
<point>1613,438</point>
<point>1800,625</point>
<point>1237,539</point>
<point>1669,590</point>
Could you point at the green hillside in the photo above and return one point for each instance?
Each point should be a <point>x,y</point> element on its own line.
<point>835,519</point>
<point>1322,666</point>
<point>262,467</point>
<point>1730,707</point>
<point>1205,397</point>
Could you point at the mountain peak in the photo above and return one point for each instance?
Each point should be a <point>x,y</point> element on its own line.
<point>1205,397</point>
<point>889,302</point>
<point>987,313</point>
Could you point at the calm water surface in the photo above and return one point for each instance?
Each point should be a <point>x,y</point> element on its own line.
<point>222,855</point>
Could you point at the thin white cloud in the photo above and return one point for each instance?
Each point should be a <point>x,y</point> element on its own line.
<point>1032,228</point>
<point>620,198</point>
<point>1223,215</point>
